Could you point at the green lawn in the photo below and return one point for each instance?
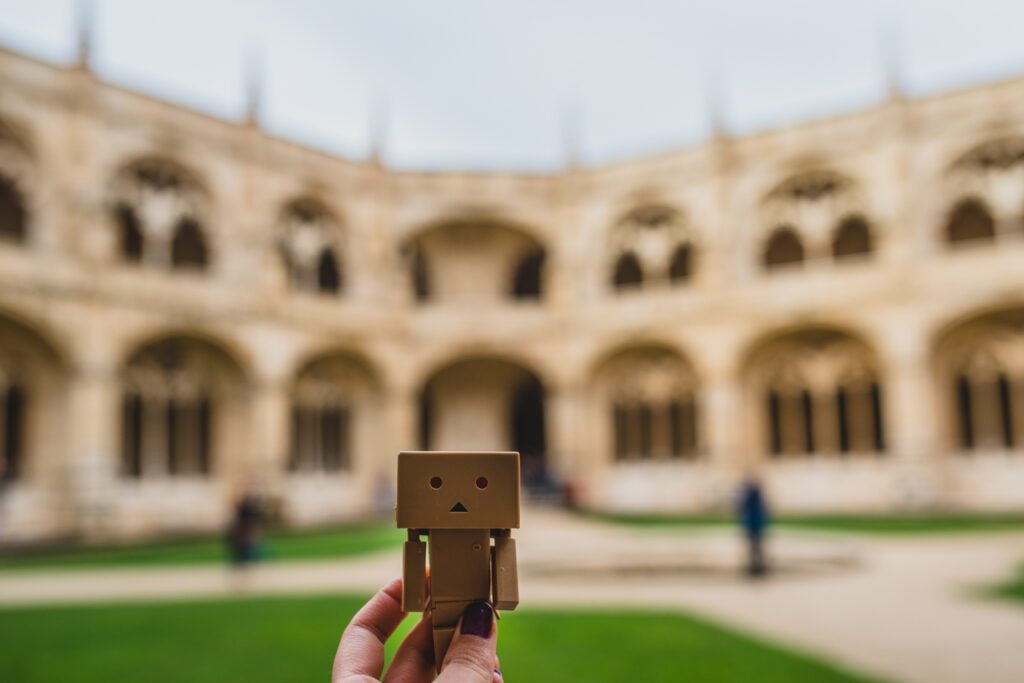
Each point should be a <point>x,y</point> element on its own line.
<point>864,524</point>
<point>354,540</point>
<point>1014,588</point>
<point>293,639</point>
<point>293,545</point>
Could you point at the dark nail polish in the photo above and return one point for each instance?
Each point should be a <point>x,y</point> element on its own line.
<point>477,620</point>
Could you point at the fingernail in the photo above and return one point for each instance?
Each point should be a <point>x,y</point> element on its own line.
<point>498,671</point>
<point>477,620</point>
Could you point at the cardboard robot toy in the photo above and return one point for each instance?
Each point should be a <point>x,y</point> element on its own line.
<point>461,501</point>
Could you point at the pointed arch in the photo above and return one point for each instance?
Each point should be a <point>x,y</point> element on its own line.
<point>852,239</point>
<point>628,273</point>
<point>680,268</point>
<point>784,248</point>
<point>188,248</point>
<point>969,221</point>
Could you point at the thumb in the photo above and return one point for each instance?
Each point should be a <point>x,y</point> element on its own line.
<point>471,655</point>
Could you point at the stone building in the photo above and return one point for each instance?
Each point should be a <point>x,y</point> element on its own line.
<point>190,307</point>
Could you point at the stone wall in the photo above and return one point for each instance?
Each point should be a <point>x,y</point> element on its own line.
<point>860,369</point>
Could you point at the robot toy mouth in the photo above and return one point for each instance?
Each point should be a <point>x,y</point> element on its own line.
<point>458,507</point>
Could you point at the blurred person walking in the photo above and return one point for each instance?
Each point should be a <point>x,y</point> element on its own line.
<point>754,519</point>
<point>245,534</point>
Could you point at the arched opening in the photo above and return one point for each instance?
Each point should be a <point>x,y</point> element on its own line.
<point>31,400</point>
<point>188,248</point>
<point>329,413</point>
<point>982,361</point>
<point>132,243</point>
<point>474,262</point>
<point>419,275</point>
<point>649,395</point>
<point>681,265</point>
<point>784,249</point>
<point>529,434</point>
<point>527,279</point>
<point>627,274</point>
<point>852,239</point>
<point>650,245</point>
<point>310,239</point>
<point>970,221</point>
<point>13,217</point>
<point>328,273</point>
<point>487,403</point>
<point>820,394</point>
<point>156,206</point>
<point>180,402</point>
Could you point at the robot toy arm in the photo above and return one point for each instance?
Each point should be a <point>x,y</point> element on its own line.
<point>414,574</point>
<point>504,573</point>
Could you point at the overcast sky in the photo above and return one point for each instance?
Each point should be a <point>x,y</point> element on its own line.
<point>494,84</point>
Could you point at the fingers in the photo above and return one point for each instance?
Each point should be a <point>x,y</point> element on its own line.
<point>414,660</point>
<point>361,650</point>
<point>472,655</point>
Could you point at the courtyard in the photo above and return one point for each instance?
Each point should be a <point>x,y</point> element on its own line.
<point>602,601</point>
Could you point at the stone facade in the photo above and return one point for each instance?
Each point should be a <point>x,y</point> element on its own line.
<point>190,308</point>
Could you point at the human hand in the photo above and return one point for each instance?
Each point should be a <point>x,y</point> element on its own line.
<point>360,655</point>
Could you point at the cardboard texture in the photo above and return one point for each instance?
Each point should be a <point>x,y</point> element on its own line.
<point>414,573</point>
<point>459,501</point>
<point>506,576</point>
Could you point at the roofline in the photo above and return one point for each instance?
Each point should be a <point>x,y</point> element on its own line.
<point>626,160</point>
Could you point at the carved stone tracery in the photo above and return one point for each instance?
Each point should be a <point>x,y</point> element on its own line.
<point>654,235</point>
<point>822,395</point>
<point>171,393</point>
<point>652,401</point>
<point>991,176</point>
<point>815,207</point>
<point>983,368</point>
<point>312,241</point>
<point>165,207</point>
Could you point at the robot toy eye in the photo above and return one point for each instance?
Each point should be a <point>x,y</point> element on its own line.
<point>481,483</point>
<point>436,482</point>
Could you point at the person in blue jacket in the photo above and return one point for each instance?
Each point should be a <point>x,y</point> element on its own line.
<point>754,519</point>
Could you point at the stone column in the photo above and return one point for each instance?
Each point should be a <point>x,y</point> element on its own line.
<point>723,422</point>
<point>400,430</point>
<point>93,445</point>
<point>271,410</point>
<point>725,426</point>
<point>564,415</point>
<point>910,415</point>
<point>910,406</point>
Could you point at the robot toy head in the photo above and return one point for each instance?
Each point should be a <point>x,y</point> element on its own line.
<point>458,490</point>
